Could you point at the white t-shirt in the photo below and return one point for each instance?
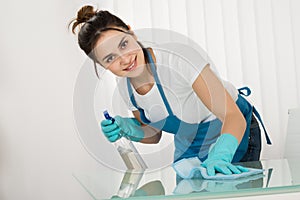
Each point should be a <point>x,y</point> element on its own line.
<point>176,73</point>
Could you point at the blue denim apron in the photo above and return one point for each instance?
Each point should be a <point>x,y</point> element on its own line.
<point>195,139</point>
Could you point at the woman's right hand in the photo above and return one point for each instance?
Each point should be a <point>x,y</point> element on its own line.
<point>111,130</point>
<point>122,126</point>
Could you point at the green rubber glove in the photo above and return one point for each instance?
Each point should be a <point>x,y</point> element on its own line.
<point>122,126</point>
<point>220,156</point>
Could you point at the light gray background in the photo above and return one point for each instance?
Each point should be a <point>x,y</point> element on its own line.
<point>253,42</point>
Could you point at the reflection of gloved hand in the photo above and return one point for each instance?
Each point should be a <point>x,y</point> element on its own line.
<point>220,156</point>
<point>123,126</point>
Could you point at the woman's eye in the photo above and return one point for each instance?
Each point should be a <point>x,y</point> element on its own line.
<point>124,44</point>
<point>110,58</point>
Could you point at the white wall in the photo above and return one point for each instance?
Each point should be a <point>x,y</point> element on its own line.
<point>39,147</point>
<point>253,42</point>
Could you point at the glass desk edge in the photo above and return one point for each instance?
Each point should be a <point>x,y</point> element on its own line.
<point>227,194</point>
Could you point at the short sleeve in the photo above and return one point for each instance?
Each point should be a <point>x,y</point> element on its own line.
<point>185,60</point>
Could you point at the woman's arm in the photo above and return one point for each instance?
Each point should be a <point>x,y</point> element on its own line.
<point>151,135</point>
<point>216,98</point>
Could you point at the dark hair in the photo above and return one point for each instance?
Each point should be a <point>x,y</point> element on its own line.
<point>91,24</point>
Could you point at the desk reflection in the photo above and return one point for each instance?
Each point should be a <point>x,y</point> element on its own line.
<point>130,182</point>
<point>277,177</point>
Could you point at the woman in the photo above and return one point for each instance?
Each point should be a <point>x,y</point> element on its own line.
<point>192,103</point>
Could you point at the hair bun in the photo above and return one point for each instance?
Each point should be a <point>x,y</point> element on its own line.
<point>83,15</point>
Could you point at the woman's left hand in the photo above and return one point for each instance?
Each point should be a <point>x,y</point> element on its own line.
<point>220,157</point>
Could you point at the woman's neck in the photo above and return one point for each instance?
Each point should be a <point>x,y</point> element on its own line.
<point>145,81</point>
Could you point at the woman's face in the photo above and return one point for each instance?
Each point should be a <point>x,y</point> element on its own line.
<point>120,53</point>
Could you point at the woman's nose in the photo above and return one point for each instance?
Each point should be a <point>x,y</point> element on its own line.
<point>125,59</point>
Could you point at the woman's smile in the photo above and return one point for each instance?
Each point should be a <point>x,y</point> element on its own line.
<point>131,66</point>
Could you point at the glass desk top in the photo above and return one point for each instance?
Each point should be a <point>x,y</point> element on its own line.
<point>280,176</point>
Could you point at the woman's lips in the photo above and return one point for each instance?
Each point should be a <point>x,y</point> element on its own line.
<point>132,66</point>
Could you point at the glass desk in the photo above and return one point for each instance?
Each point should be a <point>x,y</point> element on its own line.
<point>280,176</point>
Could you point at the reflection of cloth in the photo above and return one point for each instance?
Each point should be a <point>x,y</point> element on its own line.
<point>188,168</point>
<point>192,139</point>
<point>187,186</point>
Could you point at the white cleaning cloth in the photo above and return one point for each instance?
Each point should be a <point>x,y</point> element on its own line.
<point>188,168</point>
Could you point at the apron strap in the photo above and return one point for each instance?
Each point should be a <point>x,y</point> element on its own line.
<point>142,112</point>
<point>246,89</point>
<point>161,91</point>
<point>260,120</point>
<point>255,112</point>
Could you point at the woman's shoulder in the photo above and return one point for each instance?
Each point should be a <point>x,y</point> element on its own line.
<point>163,56</point>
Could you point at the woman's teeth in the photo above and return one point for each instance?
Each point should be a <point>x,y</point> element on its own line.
<point>131,66</point>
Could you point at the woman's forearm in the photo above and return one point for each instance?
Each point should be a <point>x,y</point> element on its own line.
<point>151,135</point>
<point>234,124</point>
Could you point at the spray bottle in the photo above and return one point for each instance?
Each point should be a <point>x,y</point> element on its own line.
<point>127,150</point>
